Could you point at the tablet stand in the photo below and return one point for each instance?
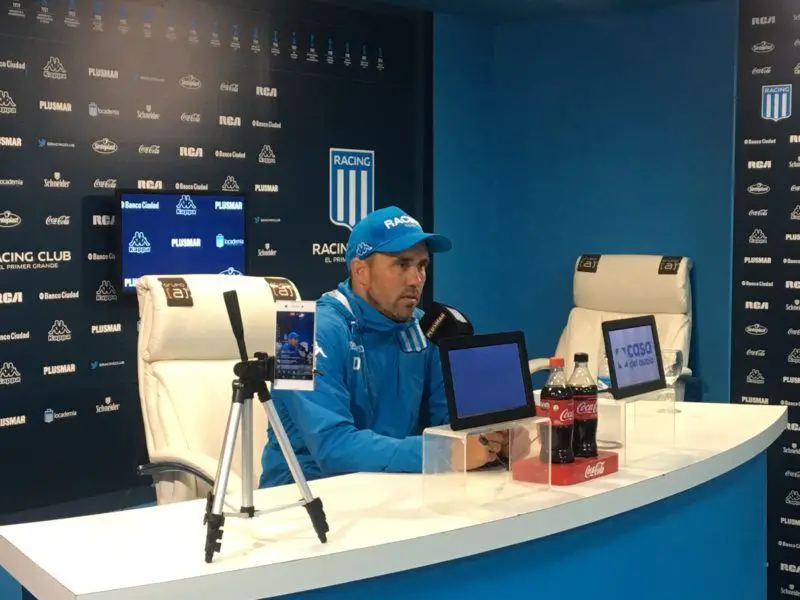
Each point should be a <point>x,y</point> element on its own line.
<point>449,487</point>
<point>634,427</point>
<point>252,376</point>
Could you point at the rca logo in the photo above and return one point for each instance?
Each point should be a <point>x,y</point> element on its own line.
<point>10,297</point>
<point>103,220</point>
<point>756,305</point>
<point>267,92</point>
<point>150,184</point>
<point>190,152</point>
<point>759,164</point>
<point>228,121</point>
<point>789,568</point>
<point>793,285</point>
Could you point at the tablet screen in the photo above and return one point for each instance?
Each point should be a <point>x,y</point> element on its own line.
<point>487,379</point>
<point>634,352</point>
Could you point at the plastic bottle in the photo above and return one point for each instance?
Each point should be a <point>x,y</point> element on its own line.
<point>584,393</point>
<point>558,405</point>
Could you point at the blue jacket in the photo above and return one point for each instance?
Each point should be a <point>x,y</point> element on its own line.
<point>379,384</point>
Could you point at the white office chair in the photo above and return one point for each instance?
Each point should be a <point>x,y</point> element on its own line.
<point>617,286</point>
<point>185,357</point>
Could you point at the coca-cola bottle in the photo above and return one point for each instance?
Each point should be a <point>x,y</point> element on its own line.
<point>584,392</point>
<point>558,405</point>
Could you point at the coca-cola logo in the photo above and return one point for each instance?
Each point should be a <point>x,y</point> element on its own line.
<point>595,470</point>
<point>567,415</point>
<point>586,409</point>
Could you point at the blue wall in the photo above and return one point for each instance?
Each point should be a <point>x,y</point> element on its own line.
<point>564,130</point>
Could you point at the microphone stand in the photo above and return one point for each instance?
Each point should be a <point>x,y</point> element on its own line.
<point>251,378</point>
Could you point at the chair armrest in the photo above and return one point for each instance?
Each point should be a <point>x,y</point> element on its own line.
<point>189,461</point>
<point>538,364</point>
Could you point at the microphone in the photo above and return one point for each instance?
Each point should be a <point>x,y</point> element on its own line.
<point>441,321</point>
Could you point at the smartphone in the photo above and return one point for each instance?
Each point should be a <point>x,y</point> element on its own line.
<point>295,326</point>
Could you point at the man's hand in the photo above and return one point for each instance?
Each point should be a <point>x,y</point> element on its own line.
<point>516,441</point>
<point>479,454</point>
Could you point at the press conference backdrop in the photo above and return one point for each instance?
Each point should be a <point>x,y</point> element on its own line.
<point>318,113</point>
<point>766,295</point>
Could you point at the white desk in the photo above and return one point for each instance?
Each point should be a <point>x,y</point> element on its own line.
<point>378,525</point>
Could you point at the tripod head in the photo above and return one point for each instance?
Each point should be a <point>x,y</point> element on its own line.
<point>253,372</point>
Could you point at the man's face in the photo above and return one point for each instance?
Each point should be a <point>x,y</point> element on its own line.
<point>293,341</point>
<point>393,282</point>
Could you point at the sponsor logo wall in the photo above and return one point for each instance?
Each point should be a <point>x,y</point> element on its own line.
<point>317,112</point>
<point>766,296</point>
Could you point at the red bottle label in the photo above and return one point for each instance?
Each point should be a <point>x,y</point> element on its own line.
<point>585,407</point>
<point>561,412</point>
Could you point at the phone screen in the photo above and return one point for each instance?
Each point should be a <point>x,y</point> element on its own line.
<point>294,345</point>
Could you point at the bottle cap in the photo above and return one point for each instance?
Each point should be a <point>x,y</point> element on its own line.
<point>557,361</point>
<point>581,357</point>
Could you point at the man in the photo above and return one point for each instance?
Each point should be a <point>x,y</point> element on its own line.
<point>379,381</point>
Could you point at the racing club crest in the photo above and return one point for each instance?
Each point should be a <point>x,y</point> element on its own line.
<point>351,186</point>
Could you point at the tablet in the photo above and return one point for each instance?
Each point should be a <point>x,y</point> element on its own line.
<point>486,379</point>
<point>634,356</point>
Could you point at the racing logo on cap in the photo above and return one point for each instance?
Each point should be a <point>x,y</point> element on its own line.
<point>352,186</point>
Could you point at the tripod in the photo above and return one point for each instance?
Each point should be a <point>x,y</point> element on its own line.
<point>251,379</point>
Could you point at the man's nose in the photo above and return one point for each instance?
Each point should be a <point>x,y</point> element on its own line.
<point>416,277</point>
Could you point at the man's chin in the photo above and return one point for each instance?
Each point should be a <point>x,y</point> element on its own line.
<point>406,306</point>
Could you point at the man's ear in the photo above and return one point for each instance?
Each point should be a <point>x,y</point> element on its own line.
<point>358,270</point>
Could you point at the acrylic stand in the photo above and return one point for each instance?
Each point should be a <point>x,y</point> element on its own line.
<point>449,487</point>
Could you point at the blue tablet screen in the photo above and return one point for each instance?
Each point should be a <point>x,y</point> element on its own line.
<point>487,379</point>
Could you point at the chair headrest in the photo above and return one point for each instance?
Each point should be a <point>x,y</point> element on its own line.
<point>183,317</point>
<point>633,283</point>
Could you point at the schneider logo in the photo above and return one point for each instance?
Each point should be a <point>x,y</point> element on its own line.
<point>57,182</point>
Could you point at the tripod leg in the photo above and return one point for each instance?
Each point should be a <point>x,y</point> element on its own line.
<point>215,519</point>
<point>313,505</point>
<point>248,507</point>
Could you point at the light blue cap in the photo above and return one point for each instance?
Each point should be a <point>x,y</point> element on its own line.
<point>390,229</point>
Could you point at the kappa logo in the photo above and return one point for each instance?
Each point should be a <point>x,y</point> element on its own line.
<point>139,244</point>
<point>7,104</point>
<point>351,186</point>
<point>230,184</point>
<point>54,69</point>
<point>776,102</point>
<point>186,206</point>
